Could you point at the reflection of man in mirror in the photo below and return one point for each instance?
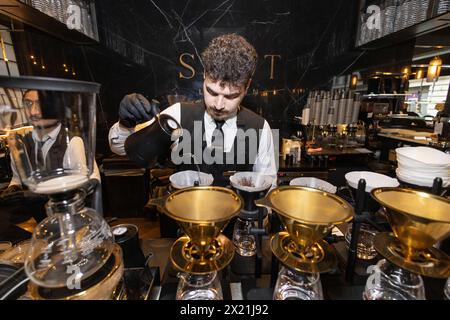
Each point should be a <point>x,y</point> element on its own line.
<point>46,144</point>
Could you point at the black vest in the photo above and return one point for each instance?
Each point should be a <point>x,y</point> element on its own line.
<point>246,119</point>
<point>57,150</point>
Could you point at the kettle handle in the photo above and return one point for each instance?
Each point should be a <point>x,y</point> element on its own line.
<point>159,202</point>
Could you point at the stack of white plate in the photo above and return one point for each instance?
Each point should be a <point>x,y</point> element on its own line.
<point>421,165</point>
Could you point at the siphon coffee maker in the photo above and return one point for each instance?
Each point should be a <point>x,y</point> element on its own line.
<point>72,253</point>
<point>418,220</point>
<point>307,215</point>
<point>202,213</point>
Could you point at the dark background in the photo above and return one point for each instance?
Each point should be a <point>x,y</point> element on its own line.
<point>141,42</point>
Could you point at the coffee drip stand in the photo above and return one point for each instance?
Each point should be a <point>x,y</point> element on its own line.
<point>307,215</point>
<point>367,214</point>
<point>249,228</point>
<point>203,251</point>
<point>408,255</point>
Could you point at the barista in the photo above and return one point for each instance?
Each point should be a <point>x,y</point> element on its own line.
<point>229,63</point>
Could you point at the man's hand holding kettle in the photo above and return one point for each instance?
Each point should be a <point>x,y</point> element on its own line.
<point>135,109</point>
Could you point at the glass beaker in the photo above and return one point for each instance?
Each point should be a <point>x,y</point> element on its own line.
<point>365,248</point>
<point>244,242</point>
<point>50,153</point>
<point>389,282</point>
<point>199,287</point>
<point>294,285</point>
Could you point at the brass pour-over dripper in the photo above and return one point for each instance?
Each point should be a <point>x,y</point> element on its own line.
<point>308,215</point>
<point>418,221</point>
<point>202,213</point>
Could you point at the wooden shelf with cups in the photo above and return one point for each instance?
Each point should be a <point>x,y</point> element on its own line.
<point>394,21</point>
<point>51,17</point>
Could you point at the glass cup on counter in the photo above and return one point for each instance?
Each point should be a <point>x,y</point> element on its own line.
<point>243,240</point>
<point>199,287</point>
<point>389,282</point>
<point>365,247</point>
<point>294,285</point>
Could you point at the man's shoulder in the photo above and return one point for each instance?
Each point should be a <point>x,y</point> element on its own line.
<point>250,112</point>
<point>252,117</point>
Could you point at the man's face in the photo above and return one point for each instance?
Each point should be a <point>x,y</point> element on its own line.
<point>222,101</point>
<point>33,110</point>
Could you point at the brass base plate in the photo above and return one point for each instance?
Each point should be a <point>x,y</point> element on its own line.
<point>430,262</point>
<point>319,259</point>
<point>109,277</point>
<point>219,255</point>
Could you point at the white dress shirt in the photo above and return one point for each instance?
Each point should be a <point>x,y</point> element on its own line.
<point>74,157</point>
<point>265,160</point>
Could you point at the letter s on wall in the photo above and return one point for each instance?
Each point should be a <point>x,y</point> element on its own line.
<point>187,66</point>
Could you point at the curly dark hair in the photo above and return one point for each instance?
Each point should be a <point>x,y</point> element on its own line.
<point>230,59</point>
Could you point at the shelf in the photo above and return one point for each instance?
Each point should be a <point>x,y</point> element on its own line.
<point>419,29</point>
<point>33,17</point>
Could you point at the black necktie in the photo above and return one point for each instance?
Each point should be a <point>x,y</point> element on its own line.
<point>40,160</point>
<point>217,140</point>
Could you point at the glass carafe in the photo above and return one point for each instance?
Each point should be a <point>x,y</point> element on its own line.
<point>244,241</point>
<point>294,285</point>
<point>365,247</point>
<point>199,287</point>
<point>70,245</point>
<point>52,153</point>
<point>389,282</point>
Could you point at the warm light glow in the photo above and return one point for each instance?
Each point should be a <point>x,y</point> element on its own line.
<point>353,81</point>
<point>406,70</point>
<point>64,65</point>
<point>419,74</point>
<point>43,67</point>
<point>3,49</point>
<point>66,70</point>
<point>32,57</point>
<point>434,69</point>
<point>73,73</point>
<point>34,62</point>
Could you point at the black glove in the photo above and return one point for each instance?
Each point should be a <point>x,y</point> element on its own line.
<point>135,108</point>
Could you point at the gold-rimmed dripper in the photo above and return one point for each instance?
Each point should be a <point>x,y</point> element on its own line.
<point>202,213</point>
<point>418,220</point>
<point>308,215</point>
